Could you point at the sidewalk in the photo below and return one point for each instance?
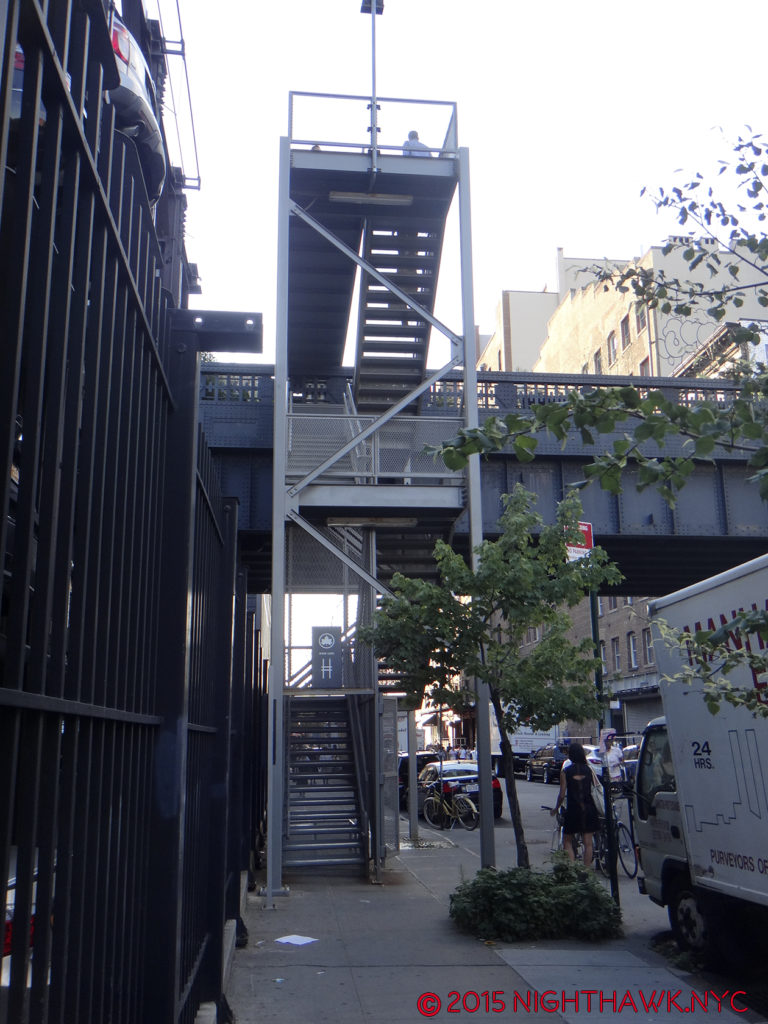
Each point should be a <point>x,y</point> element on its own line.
<point>376,949</point>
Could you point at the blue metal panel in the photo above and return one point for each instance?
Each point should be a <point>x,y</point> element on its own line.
<point>700,508</point>
<point>643,513</point>
<point>746,513</point>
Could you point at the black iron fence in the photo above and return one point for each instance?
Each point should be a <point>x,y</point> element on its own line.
<point>126,710</point>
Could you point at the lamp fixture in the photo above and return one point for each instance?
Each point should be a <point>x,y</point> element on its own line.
<point>370,198</point>
<point>380,521</point>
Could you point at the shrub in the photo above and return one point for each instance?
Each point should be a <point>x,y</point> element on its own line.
<point>510,906</point>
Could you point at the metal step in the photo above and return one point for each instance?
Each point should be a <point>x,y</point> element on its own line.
<point>322,821</point>
<point>327,862</point>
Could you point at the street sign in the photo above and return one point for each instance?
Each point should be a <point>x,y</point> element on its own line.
<point>576,551</point>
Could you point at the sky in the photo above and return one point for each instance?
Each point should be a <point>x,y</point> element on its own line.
<point>568,110</point>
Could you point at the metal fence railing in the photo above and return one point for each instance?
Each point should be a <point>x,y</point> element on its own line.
<point>394,453</point>
<point>334,122</point>
<point>124,767</point>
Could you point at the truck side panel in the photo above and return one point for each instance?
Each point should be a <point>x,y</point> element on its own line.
<point>721,761</point>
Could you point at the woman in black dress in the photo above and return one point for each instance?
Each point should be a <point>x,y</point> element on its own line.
<point>580,811</point>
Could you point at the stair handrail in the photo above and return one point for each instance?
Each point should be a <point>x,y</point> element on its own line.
<point>360,767</point>
<point>355,425</point>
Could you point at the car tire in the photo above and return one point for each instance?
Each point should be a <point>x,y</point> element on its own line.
<point>528,773</point>
<point>546,779</point>
<point>689,918</point>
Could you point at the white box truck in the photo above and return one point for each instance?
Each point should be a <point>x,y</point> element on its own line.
<point>701,792</point>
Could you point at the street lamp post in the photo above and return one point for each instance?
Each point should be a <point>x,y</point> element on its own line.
<point>373,8</point>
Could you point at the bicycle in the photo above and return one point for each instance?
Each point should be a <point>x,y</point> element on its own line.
<point>558,835</point>
<point>625,848</point>
<point>443,808</point>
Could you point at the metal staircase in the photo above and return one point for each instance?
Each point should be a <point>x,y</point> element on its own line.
<point>392,340</point>
<point>372,218</point>
<point>325,827</point>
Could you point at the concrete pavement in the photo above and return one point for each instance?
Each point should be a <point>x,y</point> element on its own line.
<point>389,952</point>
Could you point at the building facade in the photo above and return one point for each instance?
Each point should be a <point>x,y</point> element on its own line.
<point>597,329</point>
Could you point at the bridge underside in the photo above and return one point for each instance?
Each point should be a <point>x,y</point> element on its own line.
<point>652,565</point>
<point>412,501</point>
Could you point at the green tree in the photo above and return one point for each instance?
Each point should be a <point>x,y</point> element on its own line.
<point>726,238</point>
<point>471,624</point>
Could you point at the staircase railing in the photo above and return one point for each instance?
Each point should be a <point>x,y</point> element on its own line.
<point>361,773</point>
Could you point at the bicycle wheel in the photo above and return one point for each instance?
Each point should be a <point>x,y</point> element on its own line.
<point>466,812</point>
<point>557,839</point>
<point>433,812</point>
<point>600,851</point>
<point>626,849</point>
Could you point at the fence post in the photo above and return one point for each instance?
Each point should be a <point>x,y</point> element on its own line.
<point>166,848</point>
<point>220,878</point>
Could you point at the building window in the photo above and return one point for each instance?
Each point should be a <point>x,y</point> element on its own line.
<point>632,649</point>
<point>603,656</point>
<point>585,369</point>
<point>597,360</point>
<point>599,605</point>
<point>613,604</point>
<point>625,338</point>
<point>641,317</point>
<point>616,652</point>
<point>628,600</point>
<point>648,647</point>
<point>612,348</point>
<point>645,368</point>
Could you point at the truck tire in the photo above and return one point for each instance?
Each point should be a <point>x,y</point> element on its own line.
<point>689,918</point>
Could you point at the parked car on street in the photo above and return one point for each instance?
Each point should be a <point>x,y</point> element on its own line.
<point>593,757</point>
<point>423,758</point>
<point>137,112</point>
<point>463,775</point>
<point>136,108</point>
<point>629,764</point>
<point>546,762</point>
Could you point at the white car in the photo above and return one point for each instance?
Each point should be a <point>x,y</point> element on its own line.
<point>593,757</point>
<point>137,112</point>
<point>136,109</point>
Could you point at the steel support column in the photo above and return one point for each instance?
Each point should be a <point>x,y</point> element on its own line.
<point>474,503</point>
<point>276,682</point>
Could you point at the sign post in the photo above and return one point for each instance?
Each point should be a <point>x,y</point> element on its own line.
<point>576,551</point>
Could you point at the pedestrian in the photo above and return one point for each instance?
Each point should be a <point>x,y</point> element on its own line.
<point>580,811</point>
<point>413,147</point>
<point>612,755</point>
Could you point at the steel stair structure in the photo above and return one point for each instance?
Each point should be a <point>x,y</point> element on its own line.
<point>325,826</point>
<point>367,220</point>
<point>385,231</point>
<point>392,339</point>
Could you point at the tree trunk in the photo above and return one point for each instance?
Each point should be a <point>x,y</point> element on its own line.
<point>508,762</point>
